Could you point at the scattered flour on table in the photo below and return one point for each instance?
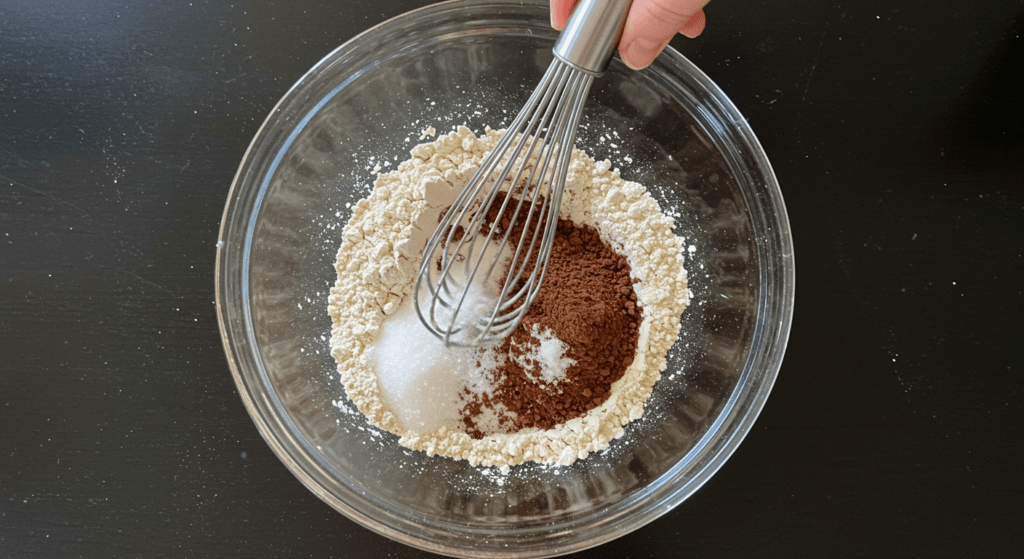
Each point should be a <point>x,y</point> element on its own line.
<point>377,264</point>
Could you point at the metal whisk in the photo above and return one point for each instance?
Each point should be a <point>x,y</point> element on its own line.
<point>473,241</point>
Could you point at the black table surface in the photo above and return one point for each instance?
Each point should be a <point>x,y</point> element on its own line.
<point>894,429</point>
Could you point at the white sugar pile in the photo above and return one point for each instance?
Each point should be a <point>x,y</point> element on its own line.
<point>422,381</point>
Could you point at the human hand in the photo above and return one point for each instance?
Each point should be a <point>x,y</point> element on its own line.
<point>651,24</point>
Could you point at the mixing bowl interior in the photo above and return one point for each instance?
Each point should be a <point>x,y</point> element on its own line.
<point>359,112</point>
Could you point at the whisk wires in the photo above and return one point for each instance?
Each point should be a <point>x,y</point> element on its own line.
<point>478,244</point>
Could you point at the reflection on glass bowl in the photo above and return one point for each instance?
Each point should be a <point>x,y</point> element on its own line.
<point>474,63</point>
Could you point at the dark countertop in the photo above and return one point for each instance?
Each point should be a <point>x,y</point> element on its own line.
<point>896,133</point>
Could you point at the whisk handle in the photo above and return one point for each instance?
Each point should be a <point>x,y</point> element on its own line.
<point>594,29</point>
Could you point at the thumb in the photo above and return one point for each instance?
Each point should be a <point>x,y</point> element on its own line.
<point>651,24</point>
<point>560,12</point>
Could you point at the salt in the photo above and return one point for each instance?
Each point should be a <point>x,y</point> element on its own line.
<point>545,360</point>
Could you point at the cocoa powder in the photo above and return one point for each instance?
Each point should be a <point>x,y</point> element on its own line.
<point>587,299</point>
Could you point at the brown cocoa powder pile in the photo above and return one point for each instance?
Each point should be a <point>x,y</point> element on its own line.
<point>587,299</point>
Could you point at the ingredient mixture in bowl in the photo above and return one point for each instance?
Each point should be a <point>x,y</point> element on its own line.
<point>576,370</point>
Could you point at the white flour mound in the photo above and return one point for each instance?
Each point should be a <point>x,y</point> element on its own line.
<point>380,254</point>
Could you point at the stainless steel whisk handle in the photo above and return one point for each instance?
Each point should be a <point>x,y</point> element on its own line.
<point>592,34</point>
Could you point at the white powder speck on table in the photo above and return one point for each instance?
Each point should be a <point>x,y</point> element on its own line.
<point>407,382</point>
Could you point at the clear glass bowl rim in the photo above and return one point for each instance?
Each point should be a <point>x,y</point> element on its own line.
<point>714,449</point>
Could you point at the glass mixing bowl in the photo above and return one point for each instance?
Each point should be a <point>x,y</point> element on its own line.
<point>475,63</point>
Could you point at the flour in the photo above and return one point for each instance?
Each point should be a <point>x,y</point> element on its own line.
<point>377,264</point>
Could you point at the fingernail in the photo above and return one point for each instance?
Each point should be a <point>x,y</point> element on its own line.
<point>695,26</point>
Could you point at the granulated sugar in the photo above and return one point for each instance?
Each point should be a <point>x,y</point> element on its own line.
<point>424,382</point>
<point>391,367</point>
<point>420,379</point>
